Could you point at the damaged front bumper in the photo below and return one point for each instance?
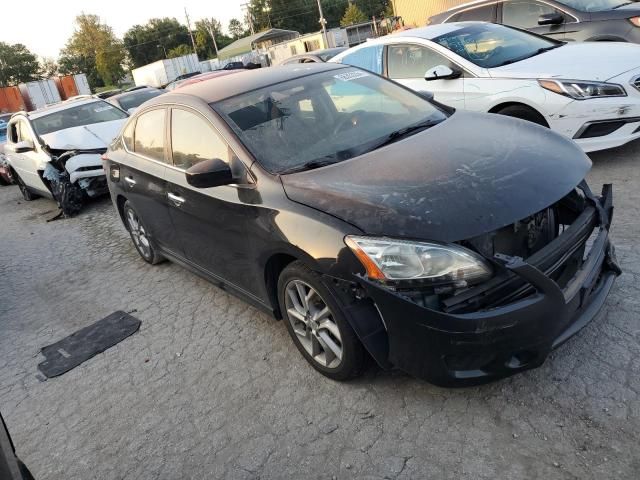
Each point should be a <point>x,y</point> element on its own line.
<point>537,315</point>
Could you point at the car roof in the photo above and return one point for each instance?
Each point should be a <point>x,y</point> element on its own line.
<point>432,31</point>
<point>131,93</point>
<point>58,107</point>
<point>220,88</point>
<point>205,76</point>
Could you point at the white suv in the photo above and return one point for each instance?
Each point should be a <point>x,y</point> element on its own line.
<point>55,152</point>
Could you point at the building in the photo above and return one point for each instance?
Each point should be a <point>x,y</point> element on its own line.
<point>258,43</point>
<point>336,37</point>
<point>415,13</point>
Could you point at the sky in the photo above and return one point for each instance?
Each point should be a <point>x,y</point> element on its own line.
<point>45,26</point>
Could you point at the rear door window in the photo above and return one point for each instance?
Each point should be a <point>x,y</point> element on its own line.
<point>149,134</point>
<point>525,13</point>
<point>485,13</point>
<point>369,58</point>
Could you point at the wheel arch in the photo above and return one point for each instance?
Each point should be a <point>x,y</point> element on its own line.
<point>606,38</point>
<point>120,201</point>
<point>274,266</point>
<point>501,106</point>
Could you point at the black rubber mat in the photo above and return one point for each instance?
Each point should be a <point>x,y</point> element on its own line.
<point>84,344</point>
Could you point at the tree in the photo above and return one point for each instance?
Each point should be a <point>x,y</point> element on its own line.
<point>93,44</point>
<point>236,30</point>
<point>149,42</point>
<point>179,51</point>
<point>204,43</point>
<point>352,16</point>
<point>48,68</point>
<point>17,64</point>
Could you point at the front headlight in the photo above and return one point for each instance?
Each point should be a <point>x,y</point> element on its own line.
<point>396,260</point>
<point>582,90</point>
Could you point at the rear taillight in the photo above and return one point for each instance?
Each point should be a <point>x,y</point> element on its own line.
<point>635,21</point>
<point>104,157</point>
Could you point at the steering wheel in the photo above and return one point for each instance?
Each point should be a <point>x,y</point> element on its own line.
<point>351,120</point>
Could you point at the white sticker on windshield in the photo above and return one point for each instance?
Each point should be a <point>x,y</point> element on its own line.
<point>346,77</point>
<point>101,109</point>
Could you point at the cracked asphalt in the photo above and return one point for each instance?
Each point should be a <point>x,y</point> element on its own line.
<point>211,388</point>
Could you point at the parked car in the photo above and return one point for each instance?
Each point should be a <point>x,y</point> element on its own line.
<point>234,66</point>
<point>107,93</point>
<point>589,92</point>
<point>129,101</point>
<point>5,171</point>
<point>317,56</point>
<point>176,81</point>
<point>55,152</point>
<point>452,245</point>
<point>580,20</point>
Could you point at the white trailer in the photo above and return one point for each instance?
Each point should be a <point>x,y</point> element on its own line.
<point>39,94</point>
<point>160,73</point>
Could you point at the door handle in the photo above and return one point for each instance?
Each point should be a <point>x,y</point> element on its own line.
<point>175,199</point>
<point>130,181</point>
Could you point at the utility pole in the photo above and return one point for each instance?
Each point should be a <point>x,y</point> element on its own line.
<point>323,22</point>
<point>193,42</point>
<point>213,37</point>
<point>248,17</point>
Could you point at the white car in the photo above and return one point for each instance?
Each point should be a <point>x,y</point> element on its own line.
<point>589,92</point>
<point>56,152</point>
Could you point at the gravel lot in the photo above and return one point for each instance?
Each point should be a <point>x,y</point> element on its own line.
<point>211,388</point>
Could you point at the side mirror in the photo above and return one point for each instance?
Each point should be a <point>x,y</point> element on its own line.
<point>210,173</point>
<point>426,95</point>
<point>22,147</point>
<point>441,72</point>
<point>550,19</point>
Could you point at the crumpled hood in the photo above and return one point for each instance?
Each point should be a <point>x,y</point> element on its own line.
<point>576,61</point>
<point>86,137</point>
<point>467,176</point>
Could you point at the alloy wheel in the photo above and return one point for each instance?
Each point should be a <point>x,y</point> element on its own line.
<point>314,324</point>
<point>139,234</point>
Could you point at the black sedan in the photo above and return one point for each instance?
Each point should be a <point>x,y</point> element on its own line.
<point>458,247</point>
<point>316,56</point>
<point>579,20</point>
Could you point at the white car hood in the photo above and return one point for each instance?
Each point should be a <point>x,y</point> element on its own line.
<point>576,61</point>
<point>86,137</point>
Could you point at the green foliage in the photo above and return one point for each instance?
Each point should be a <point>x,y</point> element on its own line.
<point>179,51</point>
<point>17,64</point>
<point>93,49</point>
<point>204,42</point>
<point>352,16</point>
<point>148,43</point>
<point>48,68</point>
<point>236,29</point>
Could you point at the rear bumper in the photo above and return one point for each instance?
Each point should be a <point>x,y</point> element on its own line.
<point>472,348</point>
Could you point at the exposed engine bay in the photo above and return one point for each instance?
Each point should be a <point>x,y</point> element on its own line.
<point>73,176</point>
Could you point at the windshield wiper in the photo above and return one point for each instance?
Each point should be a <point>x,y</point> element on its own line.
<point>537,52</point>
<point>321,162</point>
<point>403,132</point>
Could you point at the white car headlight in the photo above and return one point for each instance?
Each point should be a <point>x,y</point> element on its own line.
<point>396,260</point>
<point>582,90</point>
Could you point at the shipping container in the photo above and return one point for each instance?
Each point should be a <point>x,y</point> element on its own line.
<point>11,100</point>
<point>158,74</point>
<point>72,85</point>
<point>39,94</point>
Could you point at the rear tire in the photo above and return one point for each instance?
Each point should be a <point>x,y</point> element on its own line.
<point>317,325</point>
<point>27,194</point>
<point>523,113</point>
<point>139,236</point>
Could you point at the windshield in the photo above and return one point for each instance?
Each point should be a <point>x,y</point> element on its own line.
<point>488,45</point>
<point>325,117</point>
<point>86,114</point>
<point>595,5</point>
<point>134,100</point>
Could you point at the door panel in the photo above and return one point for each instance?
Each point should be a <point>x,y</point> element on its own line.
<point>408,63</point>
<point>525,14</point>
<point>212,222</point>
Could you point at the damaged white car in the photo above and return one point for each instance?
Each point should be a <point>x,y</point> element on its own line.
<point>56,152</point>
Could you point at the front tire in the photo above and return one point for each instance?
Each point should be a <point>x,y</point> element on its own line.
<point>140,236</point>
<point>27,194</point>
<point>523,113</point>
<point>317,324</point>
